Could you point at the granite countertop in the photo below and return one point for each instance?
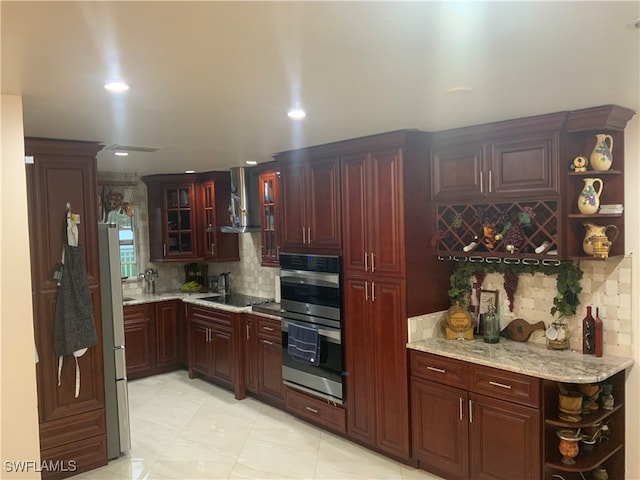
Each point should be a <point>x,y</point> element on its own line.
<point>527,358</point>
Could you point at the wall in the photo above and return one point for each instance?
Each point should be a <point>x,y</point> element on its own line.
<point>19,439</point>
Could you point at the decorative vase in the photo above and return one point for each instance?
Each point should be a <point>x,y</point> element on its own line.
<point>596,240</point>
<point>601,156</point>
<point>589,198</point>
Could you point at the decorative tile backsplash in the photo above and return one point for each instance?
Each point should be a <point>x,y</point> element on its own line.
<point>605,284</point>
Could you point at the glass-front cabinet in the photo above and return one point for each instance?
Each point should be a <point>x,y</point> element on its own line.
<point>179,221</point>
<point>269,218</point>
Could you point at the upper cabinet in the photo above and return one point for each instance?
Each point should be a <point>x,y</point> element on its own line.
<point>269,217</point>
<point>184,211</point>
<point>310,196</point>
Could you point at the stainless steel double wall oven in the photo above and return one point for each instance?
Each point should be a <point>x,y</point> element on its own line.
<point>311,299</point>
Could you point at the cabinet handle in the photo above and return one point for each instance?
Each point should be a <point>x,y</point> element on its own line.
<point>366,291</point>
<point>267,342</point>
<point>470,411</point>
<point>501,385</point>
<point>268,329</point>
<point>303,241</point>
<point>312,410</point>
<point>308,234</point>
<point>164,249</point>
<point>213,251</point>
<point>366,261</point>
<point>461,416</point>
<point>435,369</point>
<point>481,182</point>
<point>490,181</point>
<point>373,263</point>
<point>373,291</point>
<point>247,332</point>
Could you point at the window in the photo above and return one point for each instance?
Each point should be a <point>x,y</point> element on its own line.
<point>126,234</point>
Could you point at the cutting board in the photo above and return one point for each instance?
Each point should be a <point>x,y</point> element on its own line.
<point>520,330</point>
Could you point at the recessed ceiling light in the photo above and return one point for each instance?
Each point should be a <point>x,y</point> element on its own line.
<point>121,154</point>
<point>189,171</point>
<point>251,162</point>
<point>296,113</point>
<point>117,86</point>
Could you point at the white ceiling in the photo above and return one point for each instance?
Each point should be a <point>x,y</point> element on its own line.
<point>211,81</point>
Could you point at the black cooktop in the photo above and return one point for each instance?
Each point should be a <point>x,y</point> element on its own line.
<point>238,300</point>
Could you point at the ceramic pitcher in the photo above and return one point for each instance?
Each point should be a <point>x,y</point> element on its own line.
<point>596,242</point>
<point>589,198</point>
<point>601,156</point>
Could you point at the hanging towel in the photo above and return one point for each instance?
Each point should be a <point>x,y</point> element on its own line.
<point>304,343</point>
<point>74,325</point>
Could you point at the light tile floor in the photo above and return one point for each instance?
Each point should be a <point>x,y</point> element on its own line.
<point>192,429</point>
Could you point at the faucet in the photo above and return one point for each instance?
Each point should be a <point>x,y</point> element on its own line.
<point>149,276</point>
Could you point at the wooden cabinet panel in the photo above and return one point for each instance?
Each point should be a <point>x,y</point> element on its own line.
<point>140,339</point>
<point>354,204</point>
<point>72,429</point>
<point>457,171</point>
<point>263,358</point>
<point>292,178</point>
<point>86,454</point>
<point>505,440</point>
<point>505,385</point>
<point>316,410</point>
<point>270,218</point>
<point>440,427</point>
<point>439,369</point>
<point>213,194</point>
<point>221,340</point>
<point>251,361</point>
<point>167,334</point>
<point>270,373</point>
<point>199,351</point>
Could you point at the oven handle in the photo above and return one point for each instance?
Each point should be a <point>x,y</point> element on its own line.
<point>333,335</point>
<point>296,277</point>
<point>310,319</point>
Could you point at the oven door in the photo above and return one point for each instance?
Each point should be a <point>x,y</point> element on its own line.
<point>325,379</point>
<point>310,293</point>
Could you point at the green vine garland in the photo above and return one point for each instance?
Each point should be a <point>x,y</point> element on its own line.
<point>568,273</point>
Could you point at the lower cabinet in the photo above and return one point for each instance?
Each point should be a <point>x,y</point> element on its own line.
<point>263,358</point>
<point>212,350</point>
<point>316,410</point>
<point>471,421</point>
<point>153,338</point>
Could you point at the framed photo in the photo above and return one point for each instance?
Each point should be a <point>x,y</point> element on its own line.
<point>488,297</point>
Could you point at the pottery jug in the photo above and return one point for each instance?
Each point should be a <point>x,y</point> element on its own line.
<point>601,156</point>
<point>596,241</point>
<point>589,198</point>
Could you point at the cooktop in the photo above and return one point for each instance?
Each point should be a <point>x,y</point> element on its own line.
<point>238,300</point>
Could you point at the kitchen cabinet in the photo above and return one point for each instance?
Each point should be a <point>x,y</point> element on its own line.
<point>315,410</point>
<point>213,197</point>
<point>153,338</point>
<point>609,454</point>
<point>64,171</point>
<point>185,212</point>
<point>310,199</point>
<point>212,349</point>
<point>263,358</point>
<point>269,218</point>
<point>472,421</point>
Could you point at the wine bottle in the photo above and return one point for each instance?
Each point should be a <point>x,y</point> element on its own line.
<point>588,333</point>
<point>598,334</point>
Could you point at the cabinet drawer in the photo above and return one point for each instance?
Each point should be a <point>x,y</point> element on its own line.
<point>439,369</point>
<point>505,385</point>
<point>73,428</point>
<point>316,410</point>
<point>270,329</point>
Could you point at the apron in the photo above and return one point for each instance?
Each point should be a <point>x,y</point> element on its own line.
<point>74,326</point>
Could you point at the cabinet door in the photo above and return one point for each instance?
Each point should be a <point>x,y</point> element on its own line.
<point>251,364</point>
<point>167,346</point>
<point>323,216</point>
<point>457,172</point>
<point>355,215</point>
<point>525,166</point>
<point>359,345</point>
<point>199,351</point>
<point>208,220</point>
<point>179,221</point>
<point>269,218</point>
<point>385,213</point>
<point>222,358</point>
<point>293,205</point>
<point>270,373</point>
<point>440,427</point>
<point>140,339</point>
<point>504,439</point>
<point>389,327</point>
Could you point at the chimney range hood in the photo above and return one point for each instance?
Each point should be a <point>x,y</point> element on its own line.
<point>244,208</point>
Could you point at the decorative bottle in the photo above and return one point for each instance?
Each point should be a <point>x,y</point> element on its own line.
<point>491,325</point>
<point>588,333</point>
<point>599,333</point>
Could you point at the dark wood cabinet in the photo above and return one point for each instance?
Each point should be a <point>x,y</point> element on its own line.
<point>62,172</point>
<point>315,410</point>
<point>269,218</point>
<point>153,337</point>
<point>212,347</point>
<point>457,171</point>
<point>471,421</point>
<point>185,212</point>
<point>263,358</point>
<point>310,195</point>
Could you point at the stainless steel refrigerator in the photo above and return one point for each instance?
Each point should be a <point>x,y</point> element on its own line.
<point>115,369</point>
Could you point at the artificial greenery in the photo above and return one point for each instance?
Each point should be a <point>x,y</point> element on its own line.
<point>568,273</point>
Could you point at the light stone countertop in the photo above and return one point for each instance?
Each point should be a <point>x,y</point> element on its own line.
<point>527,358</point>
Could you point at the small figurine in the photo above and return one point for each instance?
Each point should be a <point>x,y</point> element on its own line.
<point>579,164</point>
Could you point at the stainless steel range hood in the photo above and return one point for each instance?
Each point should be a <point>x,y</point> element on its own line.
<point>244,203</point>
